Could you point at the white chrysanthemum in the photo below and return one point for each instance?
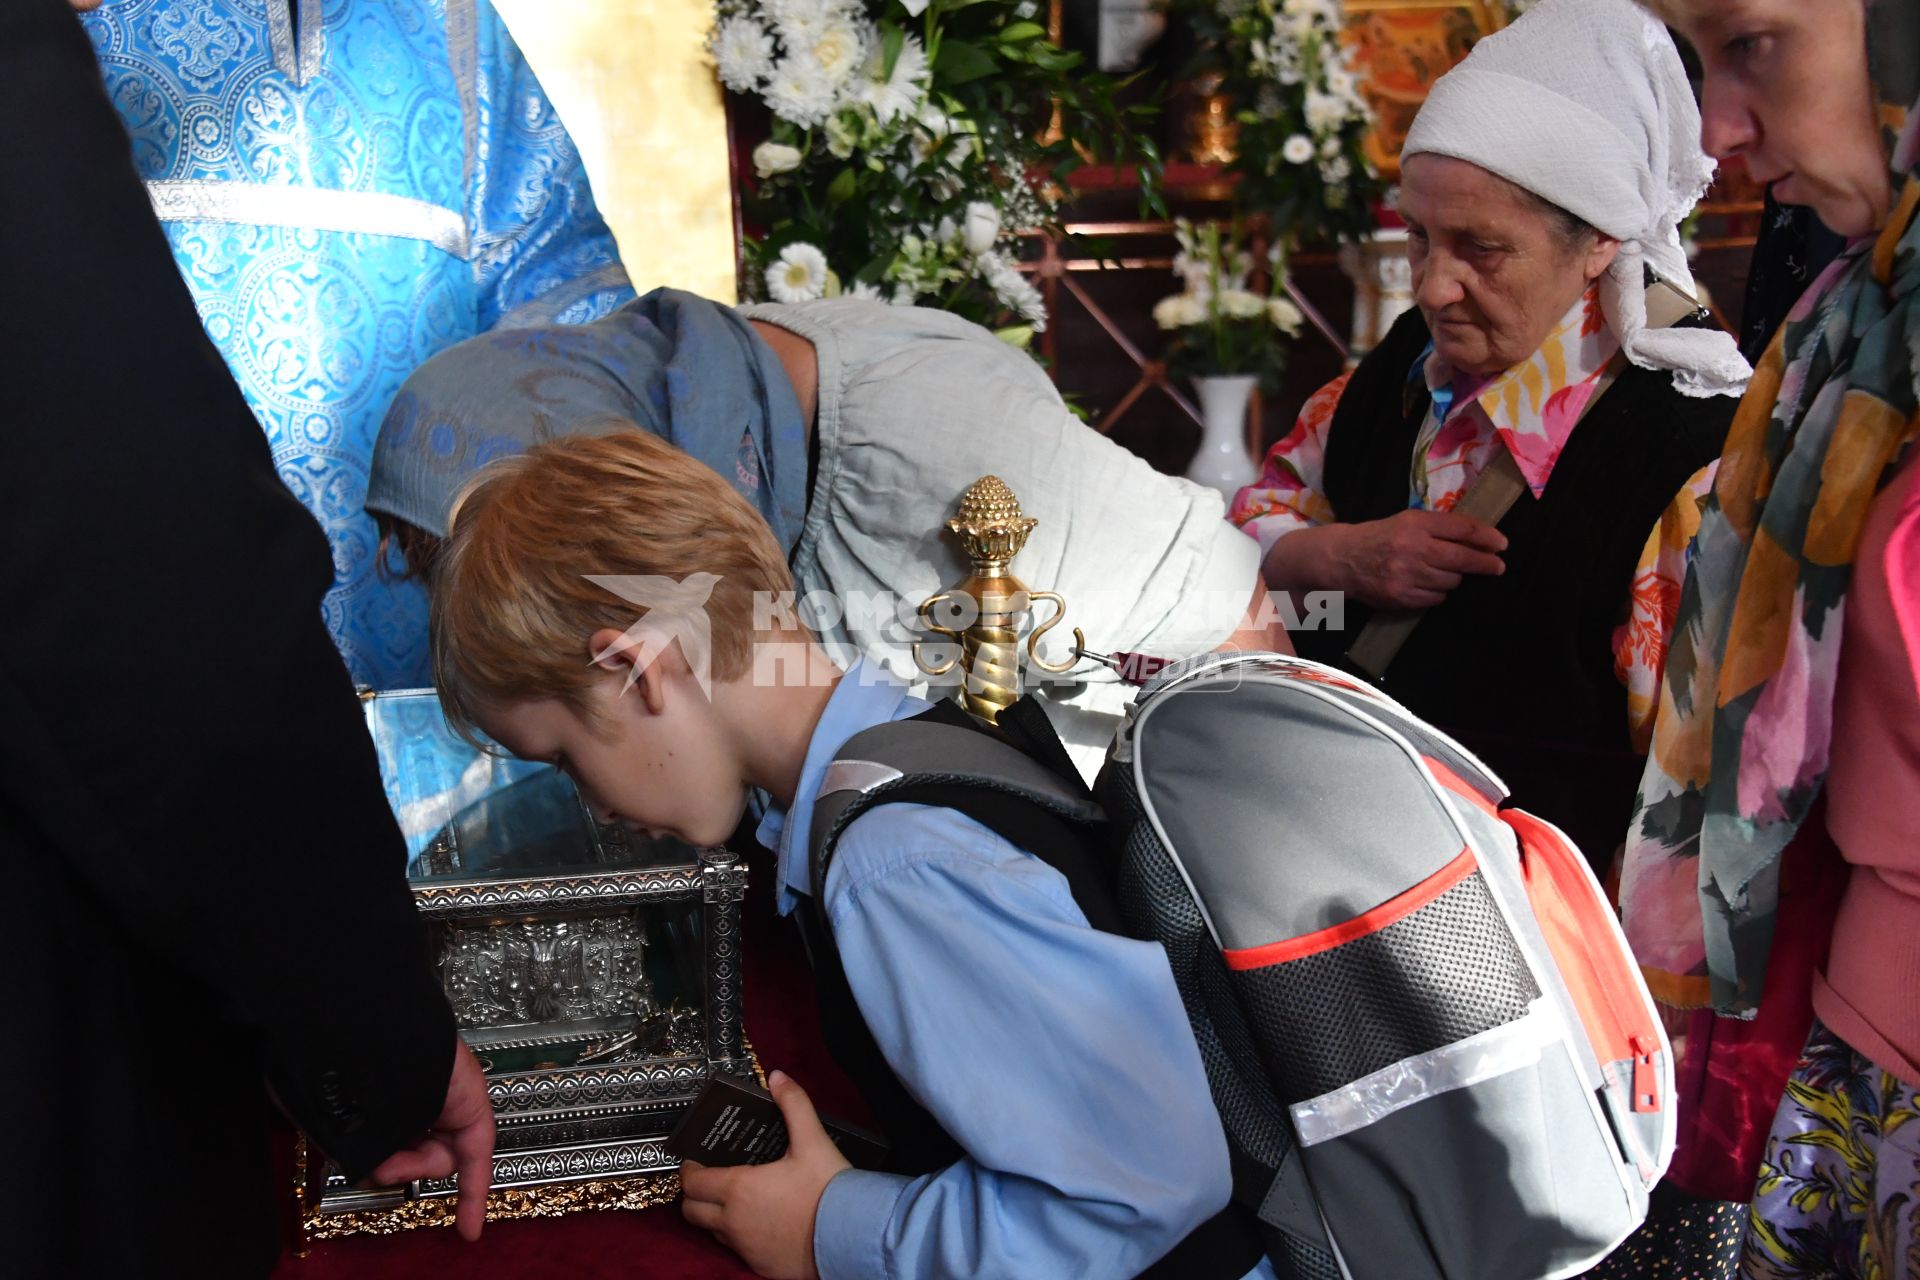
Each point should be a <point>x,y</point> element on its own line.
<point>1335,171</point>
<point>1340,82</point>
<point>799,21</point>
<point>743,53</point>
<point>1326,112</point>
<point>1332,147</point>
<point>1017,293</point>
<point>1297,150</point>
<point>903,295</point>
<point>1179,310</point>
<point>838,49</point>
<point>865,292</point>
<point>1013,289</point>
<point>799,275</point>
<point>901,93</point>
<point>1242,305</point>
<point>1285,316</point>
<point>800,92</point>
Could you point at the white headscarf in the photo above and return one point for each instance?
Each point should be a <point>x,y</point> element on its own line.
<point>1585,104</point>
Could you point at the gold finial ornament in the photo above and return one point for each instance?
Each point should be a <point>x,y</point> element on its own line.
<point>992,529</point>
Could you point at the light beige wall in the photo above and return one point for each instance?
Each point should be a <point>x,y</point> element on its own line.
<point>631,81</point>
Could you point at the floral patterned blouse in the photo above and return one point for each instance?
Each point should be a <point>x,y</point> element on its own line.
<point>1529,410</point>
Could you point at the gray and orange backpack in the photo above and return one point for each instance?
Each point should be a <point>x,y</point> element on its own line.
<point>1427,1040</point>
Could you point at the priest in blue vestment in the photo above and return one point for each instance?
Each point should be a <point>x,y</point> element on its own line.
<point>349,186</point>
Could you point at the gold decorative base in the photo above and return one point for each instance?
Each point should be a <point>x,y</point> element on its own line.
<point>643,1192</point>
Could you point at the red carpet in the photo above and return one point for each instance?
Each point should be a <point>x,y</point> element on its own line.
<point>654,1244</point>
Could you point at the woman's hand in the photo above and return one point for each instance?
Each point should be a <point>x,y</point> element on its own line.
<point>765,1212</point>
<point>1409,560</point>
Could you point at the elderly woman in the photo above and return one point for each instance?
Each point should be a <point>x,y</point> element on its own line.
<point>1543,184</point>
<point>854,427</point>
<point>1786,757</point>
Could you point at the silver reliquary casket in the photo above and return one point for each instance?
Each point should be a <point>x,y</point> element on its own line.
<point>594,972</point>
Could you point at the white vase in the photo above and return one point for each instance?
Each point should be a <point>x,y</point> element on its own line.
<point>1222,461</point>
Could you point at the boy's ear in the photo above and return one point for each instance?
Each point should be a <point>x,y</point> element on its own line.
<point>645,660</point>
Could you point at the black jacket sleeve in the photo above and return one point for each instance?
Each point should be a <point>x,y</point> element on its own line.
<point>174,719</point>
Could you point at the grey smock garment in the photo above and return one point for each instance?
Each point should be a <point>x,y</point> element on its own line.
<point>914,406</point>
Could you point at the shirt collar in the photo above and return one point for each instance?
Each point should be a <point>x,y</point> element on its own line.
<point>1532,407</point>
<point>866,695</point>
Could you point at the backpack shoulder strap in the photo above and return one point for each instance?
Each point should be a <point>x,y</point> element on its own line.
<point>1017,780</point>
<point>944,757</point>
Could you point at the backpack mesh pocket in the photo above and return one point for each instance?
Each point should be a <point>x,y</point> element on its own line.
<point>1446,970</point>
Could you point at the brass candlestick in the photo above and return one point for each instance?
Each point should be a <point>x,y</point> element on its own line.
<point>1213,135</point>
<point>992,528</point>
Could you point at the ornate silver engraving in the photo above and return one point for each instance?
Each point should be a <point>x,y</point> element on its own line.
<point>522,1169</point>
<point>726,885</point>
<point>545,970</point>
<point>636,1082</point>
<point>579,1128</point>
<point>564,1164</point>
<point>598,891</point>
<point>314,208</point>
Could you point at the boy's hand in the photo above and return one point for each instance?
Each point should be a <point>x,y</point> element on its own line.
<point>765,1212</point>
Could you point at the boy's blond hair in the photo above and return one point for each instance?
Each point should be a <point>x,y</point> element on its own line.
<point>512,609</point>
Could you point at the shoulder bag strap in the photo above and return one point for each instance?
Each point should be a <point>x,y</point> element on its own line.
<point>1495,490</point>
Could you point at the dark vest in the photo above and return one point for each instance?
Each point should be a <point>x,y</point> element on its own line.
<point>1226,1246</point>
<point>1520,666</point>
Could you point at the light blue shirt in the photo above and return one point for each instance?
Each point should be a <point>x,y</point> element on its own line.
<point>1056,1055</point>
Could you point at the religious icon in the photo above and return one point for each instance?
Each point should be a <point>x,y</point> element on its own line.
<point>1400,47</point>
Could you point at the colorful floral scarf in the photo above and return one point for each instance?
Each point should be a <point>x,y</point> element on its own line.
<point>1745,712</point>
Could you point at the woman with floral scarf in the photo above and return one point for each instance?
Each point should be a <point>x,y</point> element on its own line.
<point>1783,788</point>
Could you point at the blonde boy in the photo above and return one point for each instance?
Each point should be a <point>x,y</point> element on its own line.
<point>1056,1057</point>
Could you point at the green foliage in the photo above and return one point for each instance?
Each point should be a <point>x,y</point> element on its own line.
<point>1301,117</point>
<point>911,144</point>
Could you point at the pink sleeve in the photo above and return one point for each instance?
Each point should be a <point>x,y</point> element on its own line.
<point>1903,574</point>
<point>1287,496</point>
